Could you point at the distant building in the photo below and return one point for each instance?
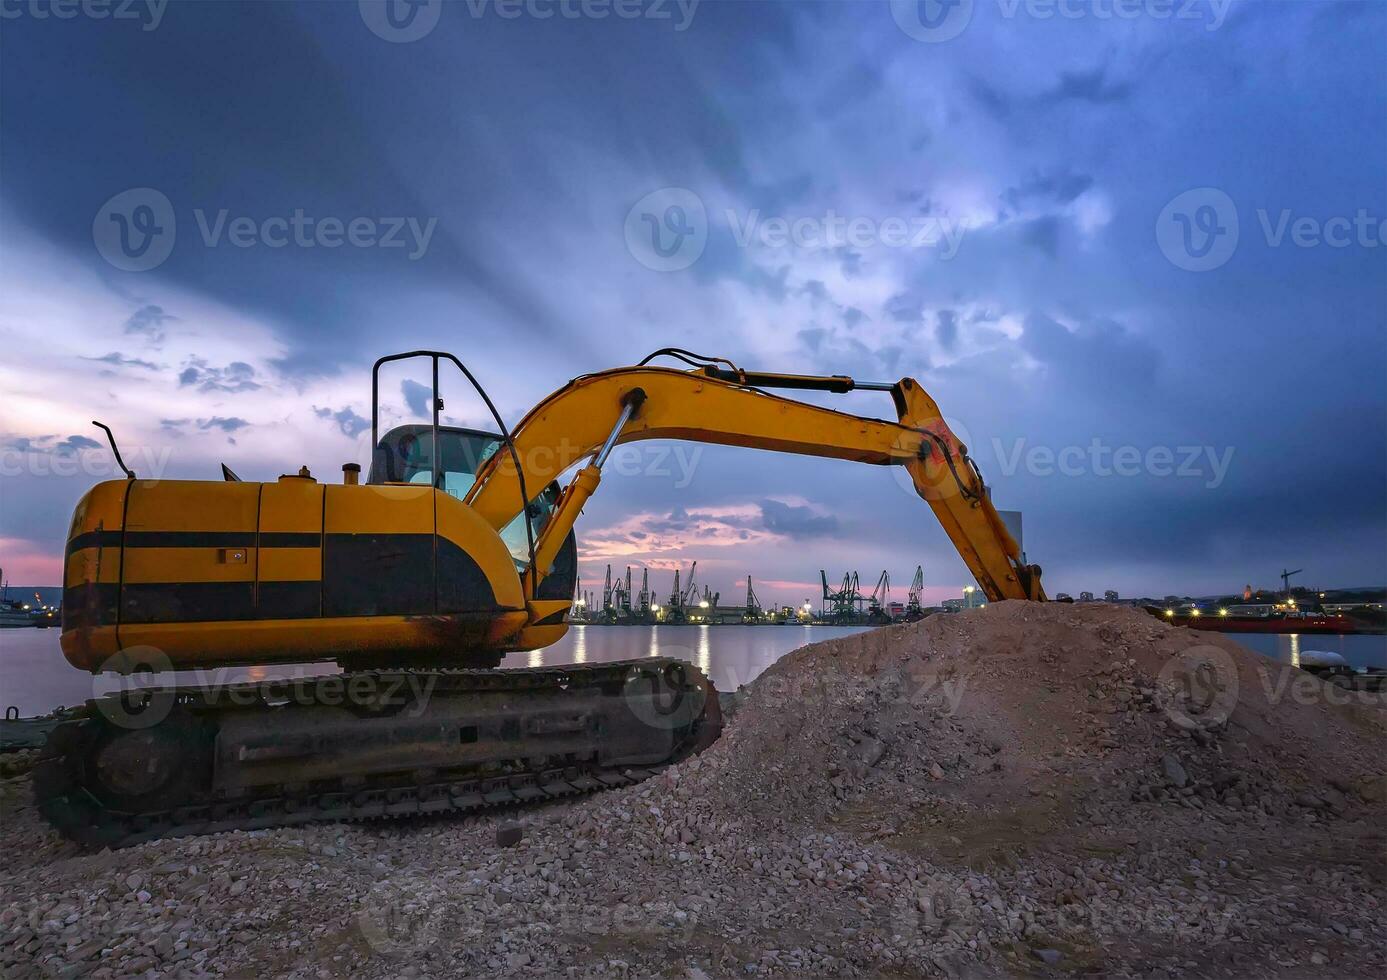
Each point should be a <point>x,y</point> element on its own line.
<point>895,609</point>
<point>1063,597</point>
<point>1110,596</point>
<point>1085,596</point>
<point>953,605</point>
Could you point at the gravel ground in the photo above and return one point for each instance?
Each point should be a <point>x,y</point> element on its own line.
<point>1021,790</point>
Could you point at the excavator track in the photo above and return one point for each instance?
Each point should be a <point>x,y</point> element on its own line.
<point>175,761</point>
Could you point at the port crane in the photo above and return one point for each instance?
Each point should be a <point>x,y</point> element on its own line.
<point>844,604</point>
<point>914,603</point>
<point>406,579</point>
<point>881,595</point>
<point>753,604</point>
<point>645,594</point>
<point>608,603</point>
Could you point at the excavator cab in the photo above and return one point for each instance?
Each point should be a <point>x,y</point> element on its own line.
<point>405,455</point>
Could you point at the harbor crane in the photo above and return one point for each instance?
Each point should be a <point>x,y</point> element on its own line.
<point>753,604</point>
<point>679,598</point>
<point>1286,579</point>
<point>881,595</point>
<point>914,603</point>
<point>845,604</point>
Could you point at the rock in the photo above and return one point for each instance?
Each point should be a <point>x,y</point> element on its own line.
<point>870,751</point>
<point>509,834</point>
<point>1174,771</point>
<point>936,771</point>
<point>1047,956</point>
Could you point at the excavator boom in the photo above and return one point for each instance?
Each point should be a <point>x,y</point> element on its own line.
<point>723,407</point>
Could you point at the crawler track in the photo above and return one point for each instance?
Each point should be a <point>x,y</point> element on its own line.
<point>259,755</point>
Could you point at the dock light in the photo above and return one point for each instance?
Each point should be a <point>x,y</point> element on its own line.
<point>1170,612</point>
<point>968,589</point>
<point>1194,612</point>
<point>656,607</point>
<point>703,604</point>
<point>1223,612</point>
<point>582,602</point>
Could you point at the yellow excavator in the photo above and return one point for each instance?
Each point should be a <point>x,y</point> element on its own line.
<point>457,550</point>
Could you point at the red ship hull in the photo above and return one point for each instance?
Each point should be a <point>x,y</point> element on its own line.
<point>1232,624</point>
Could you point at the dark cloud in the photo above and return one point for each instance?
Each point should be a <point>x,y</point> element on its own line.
<point>1060,188</point>
<point>417,397</point>
<point>1043,235</point>
<point>796,521</point>
<point>149,322</point>
<point>812,338</point>
<point>235,378</point>
<point>225,424</point>
<point>997,105</point>
<point>905,308</point>
<point>50,444</point>
<point>946,329</point>
<point>348,422</point>
<point>1090,86</point>
<point>1099,356</point>
<point>178,427</point>
<point>120,360</point>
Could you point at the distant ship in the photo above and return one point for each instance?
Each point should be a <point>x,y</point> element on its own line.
<point>12,612</point>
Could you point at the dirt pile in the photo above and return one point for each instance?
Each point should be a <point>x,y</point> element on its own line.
<point>1092,705</point>
<point>1022,789</point>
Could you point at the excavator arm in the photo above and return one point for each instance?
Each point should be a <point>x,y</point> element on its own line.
<point>726,406</point>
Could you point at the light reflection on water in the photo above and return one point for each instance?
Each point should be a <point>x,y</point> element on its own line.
<point>35,678</point>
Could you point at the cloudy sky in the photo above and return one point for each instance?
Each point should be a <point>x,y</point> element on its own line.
<point>1134,251</point>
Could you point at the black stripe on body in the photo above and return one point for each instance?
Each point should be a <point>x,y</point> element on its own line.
<point>186,602</point>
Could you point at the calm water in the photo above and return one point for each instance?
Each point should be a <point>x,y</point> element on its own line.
<point>35,678</point>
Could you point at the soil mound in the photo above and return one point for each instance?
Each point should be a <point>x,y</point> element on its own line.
<point>1039,790</point>
<point>1085,710</point>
